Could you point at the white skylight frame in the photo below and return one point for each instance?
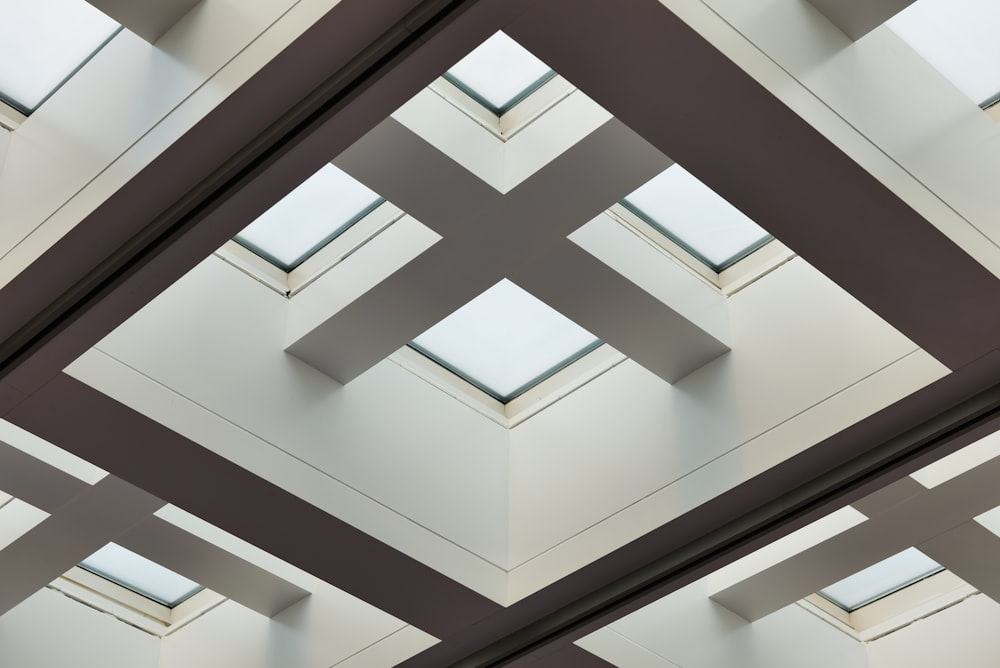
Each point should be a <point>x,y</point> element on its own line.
<point>880,580</point>
<point>59,35</point>
<point>476,73</point>
<point>134,609</point>
<point>486,324</point>
<point>679,206</point>
<point>958,38</point>
<point>141,575</point>
<point>328,195</point>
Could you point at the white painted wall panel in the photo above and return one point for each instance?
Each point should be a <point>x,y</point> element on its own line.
<point>388,434</point>
<point>798,340</point>
<point>319,632</point>
<point>694,632</point>
<point>50,630</point>
<point>963,635</point>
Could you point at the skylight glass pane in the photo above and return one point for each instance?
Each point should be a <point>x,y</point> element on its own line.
<point>499,72</point>
<point>505,341</point>
<point>882,579</point>
<point>690,213</point>
<point>140,575</point>
<point>43,42</point>
<point>309,217</point>
<point>957,37</point>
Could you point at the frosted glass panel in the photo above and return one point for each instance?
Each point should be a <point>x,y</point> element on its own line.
<point>309,217</point>
<point>499,72</point>
<point>140,575</point>
<point>881,579</point>
<point>957,37</point>
<point>42,42</point>
<point>504,340</point>
<point>692,214</point>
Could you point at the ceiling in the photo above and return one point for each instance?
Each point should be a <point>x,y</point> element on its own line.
<point>741,440</point>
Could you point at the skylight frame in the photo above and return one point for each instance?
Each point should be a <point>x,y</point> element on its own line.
<point>135,587</point>
<point>521,389</point>
<point>510,104</point>
<point>717,268</point>
<point>480,99</point>
<point>26,109</point>
<point>883,592</point>
<point>336,232</point>
<point>497,304</point>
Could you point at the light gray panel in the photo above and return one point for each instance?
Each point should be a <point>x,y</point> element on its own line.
<point>72,533</point>
<point>148,19</point>
<point>859,17</point>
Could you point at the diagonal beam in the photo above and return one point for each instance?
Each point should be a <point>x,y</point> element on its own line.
<point>970,551</point>
<point>181,472</point>
<point>253,148</point>
<point>35,482</point>
<point>588,291</point>
<point>211,566</point>
<point>771,164</point>
<point>95,517</point>
<point>492,237</point>
<point>908,515</point>
<point>48,488</point>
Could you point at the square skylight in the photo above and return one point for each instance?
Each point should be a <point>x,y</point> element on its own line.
<point>959,38</point>
<point>695,217</point>
<point>499,73</point>
<point>308,218</point>
<point>43,43</point>
<point>141,575</point>
<point>505,341</point>
<point>884,578</point>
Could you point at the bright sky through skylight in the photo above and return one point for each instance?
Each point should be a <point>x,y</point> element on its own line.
<point>505,339</point>
<point>307,218</point>
<point>957,37</point>
<point>693,215</point>
<point>140,575</point>
<point>881,579</point>
<point>42,42</point>
<point>499,71</point>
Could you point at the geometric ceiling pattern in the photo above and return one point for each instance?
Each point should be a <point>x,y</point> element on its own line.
<point>743,439</point>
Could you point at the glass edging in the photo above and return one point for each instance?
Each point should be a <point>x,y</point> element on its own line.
<point>513,102</point>
<point>288,268</point>
<point>879,597</point>
<point>506,398</point>
<point>133,589</point>
<point>717,268</point>
<point>990,101</point>
<point>27,111</point>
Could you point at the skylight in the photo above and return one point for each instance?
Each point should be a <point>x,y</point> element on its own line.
<point>505,341</point>
<point>884,578</point>
<point>141,575</point>
<point>689,212</point>
<point>499,73</point>
<point>308,218</point>
<point>43,43</point>
<point>959,38</point>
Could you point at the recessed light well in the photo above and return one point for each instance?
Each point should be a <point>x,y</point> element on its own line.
<point>499,73</point>
<point>141,575</point>
<point>505,341</point>
<point>308,218</point>
<point>694,216</point>
<point>43,43</point>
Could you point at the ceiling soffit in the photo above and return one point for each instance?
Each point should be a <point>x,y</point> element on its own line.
<point>777,183</point>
